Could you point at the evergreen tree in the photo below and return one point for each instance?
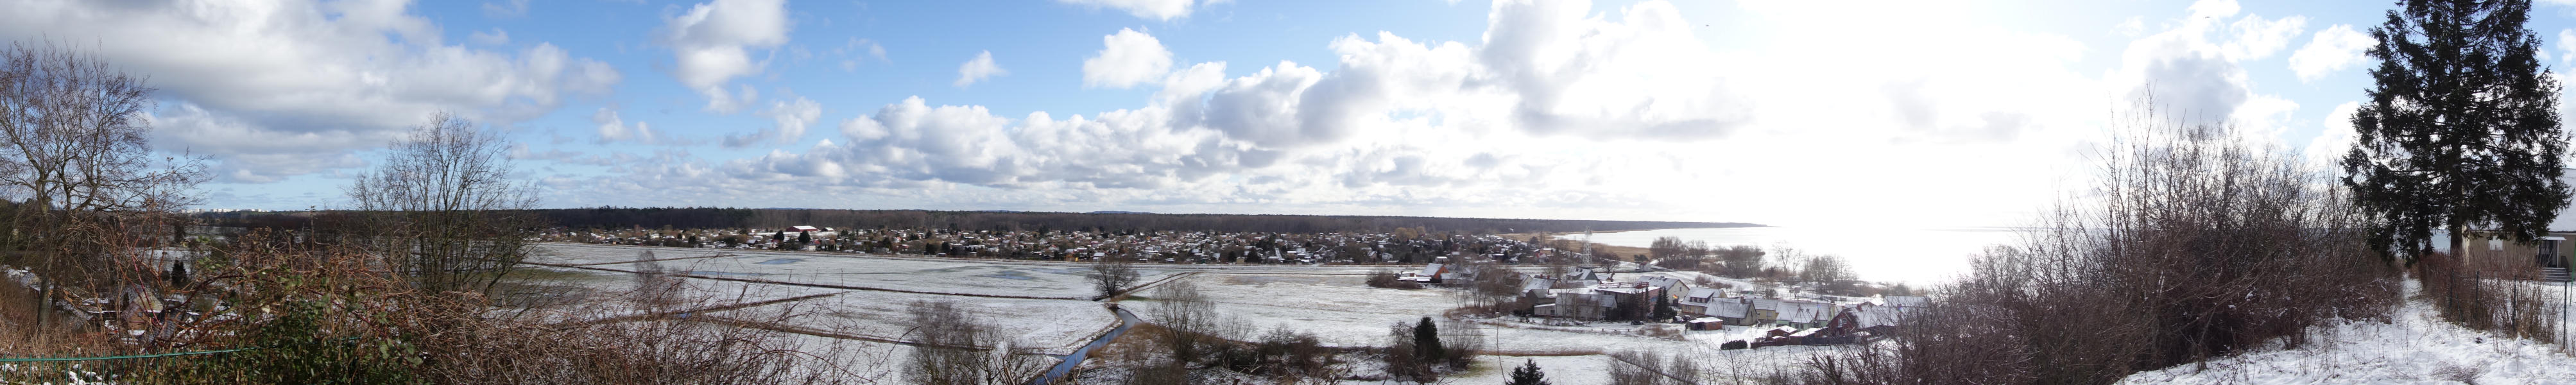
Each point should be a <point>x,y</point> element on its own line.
<point>1528,374</point>
<point>804,237</point>
<point>1663,308</point>
<point>1426,341</point>
<point>2460,130</point>
<point>778,236</point>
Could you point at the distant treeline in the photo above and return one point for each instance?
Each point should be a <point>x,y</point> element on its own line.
<point>712,218</point>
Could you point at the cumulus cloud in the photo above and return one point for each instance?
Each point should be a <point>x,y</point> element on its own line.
<point>1283,128</point>
<point>1144,9</point>
<point>977,69</point>
<point>791,118</point>
<point>2330,145</point>
<point>328,77</point>
<point>2334,49</point>
<point>712,43</point>
<point>614,129</point>
<point>1126,59</point>
<point>2192,76</point>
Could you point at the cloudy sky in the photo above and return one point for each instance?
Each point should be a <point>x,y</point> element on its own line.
<point>1898,113</point>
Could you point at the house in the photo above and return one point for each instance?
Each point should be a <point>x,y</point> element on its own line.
<point>1601,301</point>
<point>1697,301</point>
<point>1674,289</point>
<point>802,229</point>
<point>1706,323</point>
<point>1734,312</point>
<point>1762,311</point>
<point>2549,254</point>
<point>1537,286</point>
<point>1429,274</point>
<point>1580,303</point>
<point>1803,314</point>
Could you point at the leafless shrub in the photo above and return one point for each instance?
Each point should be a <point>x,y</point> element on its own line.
<point>1646,367</point>
<point>954,348</point>
<point>2502,300</point>
<point>1188,318</point>
<point>2193,246</point>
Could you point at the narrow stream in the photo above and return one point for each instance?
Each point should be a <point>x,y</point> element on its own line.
<point>1125,320</point>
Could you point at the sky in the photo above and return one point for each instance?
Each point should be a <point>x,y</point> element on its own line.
<point>1800,113</point>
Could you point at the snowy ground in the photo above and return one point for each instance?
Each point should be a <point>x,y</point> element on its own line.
<point>2415,348</point>
<point>1056,326</point>
<point>1330,301</point>
<point>915,274</point>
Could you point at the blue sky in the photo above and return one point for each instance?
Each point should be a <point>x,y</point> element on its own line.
<point>1786,112</point>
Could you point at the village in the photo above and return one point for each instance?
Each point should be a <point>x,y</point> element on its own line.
<point>1538,295</point>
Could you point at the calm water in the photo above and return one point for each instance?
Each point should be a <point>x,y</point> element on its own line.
<point>1915,256</point>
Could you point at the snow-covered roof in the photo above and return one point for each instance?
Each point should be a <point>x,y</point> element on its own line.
<point>1538,283</point>
<point>1703,295</point>
<point>1430,270</point>
<point>1802,311</point>
<point>1660,281</point>
<point>1730,309</point>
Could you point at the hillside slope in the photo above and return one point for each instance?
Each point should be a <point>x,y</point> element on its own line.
<point>2414,347</point>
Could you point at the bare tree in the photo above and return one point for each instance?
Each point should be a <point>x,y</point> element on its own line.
<point>1187,317</point>
<point>956,348</point>
<point>77,167</point>
<point>443,205</point>
<point>1110,275</point>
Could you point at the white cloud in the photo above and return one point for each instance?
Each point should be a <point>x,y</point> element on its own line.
<point>1144,9</point>
<point>2257,38</point>
<point>791,118</point>
<point>614,129</point>
<point>2132,27</point>
<point>2333,49</point>
<point>711,45</point>
<point>2330,145</point>
<point>496,37</point>
<point>238,79</point>
<point>2566,46</point>
<point>977,69</point>
<point>1126,59</point>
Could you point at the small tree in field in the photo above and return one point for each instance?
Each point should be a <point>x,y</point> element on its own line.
<point>1109,275</point>
<point>1528,374</point>
<point>1426,341</point>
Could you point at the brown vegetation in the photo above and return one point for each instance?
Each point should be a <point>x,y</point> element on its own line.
<point>2198,246</point>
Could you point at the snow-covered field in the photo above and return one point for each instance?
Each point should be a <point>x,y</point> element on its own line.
<point>1057,326</point>
<point>1330,301</point>
<point>2416,347</point>
<point>914,274</point>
